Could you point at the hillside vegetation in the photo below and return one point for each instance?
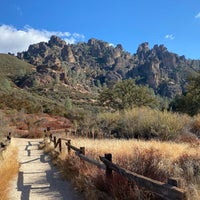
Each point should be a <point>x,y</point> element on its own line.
<point>11,66</point>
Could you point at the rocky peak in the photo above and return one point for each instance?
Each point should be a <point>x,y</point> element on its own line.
<point>143,50</point>
<point>67,54</point>
<point>92,41</point>
<point>95,42</point>
<point>56,41</point>
<point>160,48</point>
<point>120,47</point>
<point>144,47</point>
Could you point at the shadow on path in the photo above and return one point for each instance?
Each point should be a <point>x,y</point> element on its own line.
<point>25,189</point>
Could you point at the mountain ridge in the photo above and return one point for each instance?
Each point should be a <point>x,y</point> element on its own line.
<point>97,63</point>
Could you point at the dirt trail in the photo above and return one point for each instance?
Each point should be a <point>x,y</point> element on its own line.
<point>37,178</point>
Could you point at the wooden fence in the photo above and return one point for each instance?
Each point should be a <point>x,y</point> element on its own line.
<point>167,191</point>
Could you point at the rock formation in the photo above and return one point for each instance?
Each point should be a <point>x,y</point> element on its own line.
<point>99,62</point>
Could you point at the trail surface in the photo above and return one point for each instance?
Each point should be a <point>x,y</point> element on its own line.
<point>37,178</point>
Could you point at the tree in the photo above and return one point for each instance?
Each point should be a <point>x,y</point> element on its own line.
<point>126,94</point>
<point>190,101</point>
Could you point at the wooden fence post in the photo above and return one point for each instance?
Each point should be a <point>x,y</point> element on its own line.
<point>48,131</point>
<point>108,156</point>
<point>68,147</point>
<point>9,136</point>
<point>82,150</point>
<point>45,133</point>
<point>177,182</point>
<point>60,144</point>
<point>54,141</point>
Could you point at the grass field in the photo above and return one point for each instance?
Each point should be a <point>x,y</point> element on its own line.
<point>154,159</point>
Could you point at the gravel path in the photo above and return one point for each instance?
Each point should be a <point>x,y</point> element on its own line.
<point>37,178</point>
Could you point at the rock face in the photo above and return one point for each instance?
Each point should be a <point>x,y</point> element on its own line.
<point>67,54</point>
<point>97,62</point>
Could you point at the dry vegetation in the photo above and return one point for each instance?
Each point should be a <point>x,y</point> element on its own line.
<point>173,152</point>
<point>154,159</point>
<point>159,158</point>
<point>9,167</point>
<point>137,123</point>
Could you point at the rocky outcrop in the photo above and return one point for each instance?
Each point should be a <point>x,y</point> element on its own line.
<point>67,54</point>
<point>97,63</point>
<point>56,41</point>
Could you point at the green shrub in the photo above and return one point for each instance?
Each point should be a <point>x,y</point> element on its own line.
<point>143,123</point>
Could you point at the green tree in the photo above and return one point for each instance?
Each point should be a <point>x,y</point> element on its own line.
<point>126,94</point>
<point>190,101</point>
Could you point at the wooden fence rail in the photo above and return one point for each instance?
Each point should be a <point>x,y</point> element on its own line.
<point>164,190</point>
<point>168,191</point>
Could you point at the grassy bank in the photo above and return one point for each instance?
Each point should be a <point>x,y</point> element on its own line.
<point>9,167</point>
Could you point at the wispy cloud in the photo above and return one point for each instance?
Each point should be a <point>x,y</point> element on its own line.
<point>170,36</point>
<point>197,16</point>
<point>19,10</point>
<point>16,40</point>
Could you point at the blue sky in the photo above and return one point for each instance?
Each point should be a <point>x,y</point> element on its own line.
<point>174,23</point>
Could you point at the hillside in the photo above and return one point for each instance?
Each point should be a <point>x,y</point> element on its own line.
<point>50,77</point>
<point>11,67</point>
<point>34,97</point>
<point>14,97</point>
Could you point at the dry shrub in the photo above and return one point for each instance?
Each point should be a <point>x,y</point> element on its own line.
<point>189,138</point>
<point>189,170</point>
<point>4,125</point>
<point>82,176</point>
<point>151,162</point>
<point>195,125</point>
<point>119,188</point>
<point>9,167</point>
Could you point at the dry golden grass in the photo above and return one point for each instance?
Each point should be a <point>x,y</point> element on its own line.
<point>154,159</point>
<point>9,167</point>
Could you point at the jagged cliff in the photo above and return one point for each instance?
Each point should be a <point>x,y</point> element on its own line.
<point>96,63</point>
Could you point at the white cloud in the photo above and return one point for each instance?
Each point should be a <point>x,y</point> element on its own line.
<point>170,36</point>
<point>112,45</point>
<point>13,40</point>
<point>198,15</point>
